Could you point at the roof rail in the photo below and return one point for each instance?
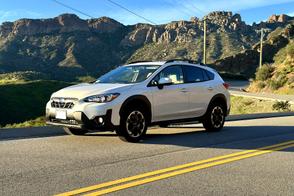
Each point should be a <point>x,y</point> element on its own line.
<point>186,60</point>
<point>132,62</point>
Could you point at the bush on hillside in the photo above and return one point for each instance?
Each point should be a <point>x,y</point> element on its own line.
<point>290,50</point>
<point>261,84</point>
<point>284,52</point>
<point>282,106</point>
<point>264,72</point>
<point>291,79</point>
<point>278,83</point>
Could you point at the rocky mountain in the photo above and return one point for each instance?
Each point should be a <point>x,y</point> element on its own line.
<point>66,46</point>
<point>246,62</point>
<point>277,76</point>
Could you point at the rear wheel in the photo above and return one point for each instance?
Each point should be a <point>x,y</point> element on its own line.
<point>133,125</point>
<point>215,117</point>
<point>73,131</point>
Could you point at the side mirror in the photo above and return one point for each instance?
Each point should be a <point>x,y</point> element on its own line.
<point>164,81</point>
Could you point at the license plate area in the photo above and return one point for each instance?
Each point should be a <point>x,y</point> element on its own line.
<point>60,114</point>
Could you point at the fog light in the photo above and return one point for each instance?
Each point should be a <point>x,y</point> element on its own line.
<point>100,120</point>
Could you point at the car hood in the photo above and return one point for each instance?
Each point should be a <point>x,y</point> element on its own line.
<point>84,90</point>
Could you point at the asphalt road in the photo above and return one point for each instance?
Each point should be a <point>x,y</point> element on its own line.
<point>237,85</point>
<point>60,163</point>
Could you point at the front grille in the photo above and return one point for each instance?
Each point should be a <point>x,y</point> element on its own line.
<point>65,103</point>
<point>70,122</point>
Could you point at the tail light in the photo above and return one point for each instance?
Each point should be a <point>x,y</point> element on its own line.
<point>226,85</point>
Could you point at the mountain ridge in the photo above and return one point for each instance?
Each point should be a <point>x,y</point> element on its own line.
<point>66,46</point>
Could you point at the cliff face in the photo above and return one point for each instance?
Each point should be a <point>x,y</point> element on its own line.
<point>279,18</point>
<point>247,61</point>
<point>66,46</point>
<point>65,23</point>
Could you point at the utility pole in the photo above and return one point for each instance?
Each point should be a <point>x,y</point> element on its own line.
<point>260,49</point>
<point>204,41</point>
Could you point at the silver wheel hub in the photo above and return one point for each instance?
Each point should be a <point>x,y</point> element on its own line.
<point>135,124</point>
<point>217,117</point>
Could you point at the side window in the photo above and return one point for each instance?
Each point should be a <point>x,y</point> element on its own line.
<point>175,73</point>
<point>210,75</point>
<point>205,75</point>
<point>194,74</point>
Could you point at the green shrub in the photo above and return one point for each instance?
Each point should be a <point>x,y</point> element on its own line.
<point>261,85</point>
<point>86,79</point>
<point>264,72</point>
<point>284,52</point>
<point>282,106</point>
<point>291,80</point>
<point>30,123</point>
<point>290,49</point>
<point>278,83</point>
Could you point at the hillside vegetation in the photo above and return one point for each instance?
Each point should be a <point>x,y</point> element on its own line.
<point>26,101</point>
<point>67,47</point>
<point>20,77</point>
<point>279,76</point>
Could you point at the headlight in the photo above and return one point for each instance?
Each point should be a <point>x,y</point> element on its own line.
<point>102,98</point>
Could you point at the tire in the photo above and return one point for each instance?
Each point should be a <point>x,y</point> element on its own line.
<point>214,118</point>
<point>73,131</point>
<point>133,124</point>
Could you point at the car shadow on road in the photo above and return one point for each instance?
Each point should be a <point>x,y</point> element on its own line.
<point>193,136</point>
<point>229,137</point>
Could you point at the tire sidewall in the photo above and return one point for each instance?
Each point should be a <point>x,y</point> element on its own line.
<point>122,130</point>
<point>207,122</point>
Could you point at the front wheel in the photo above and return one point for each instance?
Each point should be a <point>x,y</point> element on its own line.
<point>133,125</point>
<point>215,117</point>
<point>73,131</point>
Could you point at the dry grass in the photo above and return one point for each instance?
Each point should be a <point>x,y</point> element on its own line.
<point>244,105</point>
<point>30,123</point>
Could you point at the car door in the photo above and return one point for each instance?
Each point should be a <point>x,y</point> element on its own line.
<point>199,89</point>
<point>171,102</point>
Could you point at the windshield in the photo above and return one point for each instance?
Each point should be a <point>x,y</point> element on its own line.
<point>128,74</point>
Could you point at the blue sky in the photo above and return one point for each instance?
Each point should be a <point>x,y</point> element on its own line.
<point>159,11</point>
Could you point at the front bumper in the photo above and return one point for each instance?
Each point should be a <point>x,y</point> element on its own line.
<point>84,115</point>
<point>84,122</point>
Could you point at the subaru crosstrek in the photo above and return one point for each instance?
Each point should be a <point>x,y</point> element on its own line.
<point>132,97</point>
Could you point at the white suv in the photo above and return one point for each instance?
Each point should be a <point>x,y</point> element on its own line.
<point>132,97</point>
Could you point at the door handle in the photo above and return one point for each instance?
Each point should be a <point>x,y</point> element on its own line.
<point>210,88</point>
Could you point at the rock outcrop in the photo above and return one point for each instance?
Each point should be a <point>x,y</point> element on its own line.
<point>64,23</point>
<point>247,61</point>
<point>279,18</point>
<point>66,42</point>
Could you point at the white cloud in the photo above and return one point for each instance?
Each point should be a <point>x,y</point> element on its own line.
<point>12,15</point>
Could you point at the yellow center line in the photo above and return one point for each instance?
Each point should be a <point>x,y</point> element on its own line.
<point>170,169</point>
<point>183,171</point>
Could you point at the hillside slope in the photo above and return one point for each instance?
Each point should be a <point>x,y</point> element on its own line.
<point>278,76</point>
<point>66,46</point>
<point>26,101</point>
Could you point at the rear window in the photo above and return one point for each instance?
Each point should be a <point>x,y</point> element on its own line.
<point>196,74</point>
<point>209,74</point>
<point>193,74</point>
